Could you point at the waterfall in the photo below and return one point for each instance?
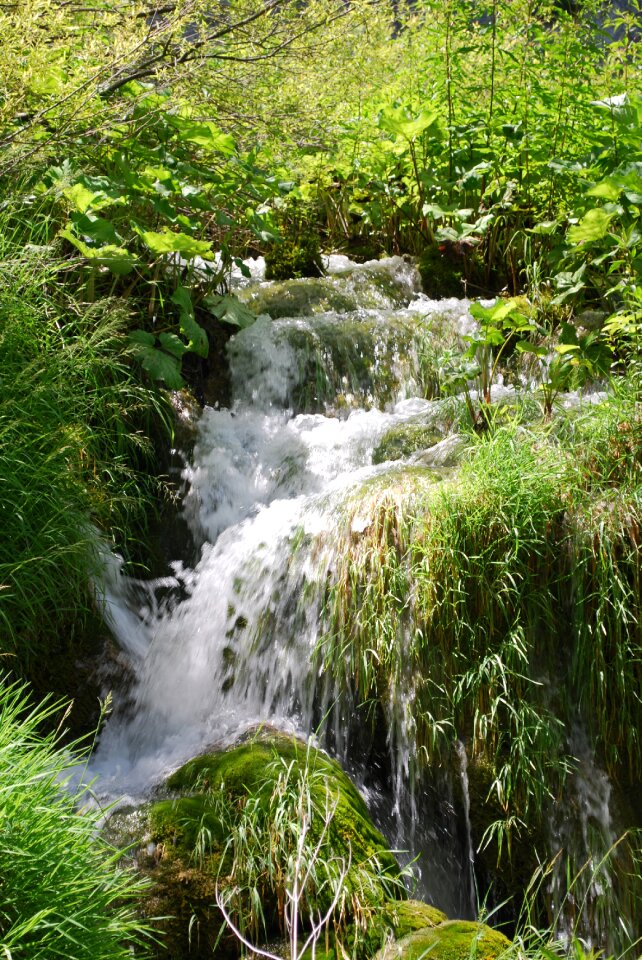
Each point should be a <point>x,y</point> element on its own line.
<point>275,485</point>
<point>469,870</point>
<point>230,642</point>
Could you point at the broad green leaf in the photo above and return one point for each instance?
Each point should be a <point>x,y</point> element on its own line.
<point>433,210</point>
<point>523,346</point>
<point>545,228</point>
<point>627,181</point>
<point>160,366</point>
<point>204,134</point>
<point>483,314</point>
<point>181,243</point>
<point>593,226</point>
<point>96,229</point>
<point>229,309</point>
<point>563,348</point>
<point>173,344</point>
<point>142,337</point>
<point>117,259</point>
<point>607,189</point>
<point>395,120</point>
<point>82,199</point>
<point>196,336</point>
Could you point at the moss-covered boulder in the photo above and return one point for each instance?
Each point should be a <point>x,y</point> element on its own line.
<point>407,916</point>
<point>300,298</point>
<point>251,769</point>
<point>230,821</point>
<point>405,439</point>
<point>390,284</point>
<point>453,940</point>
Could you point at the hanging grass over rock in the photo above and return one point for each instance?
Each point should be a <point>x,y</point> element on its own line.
<point>502,608</point>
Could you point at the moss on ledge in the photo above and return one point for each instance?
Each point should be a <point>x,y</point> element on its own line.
<point>407,916</point>
<point>453,940</point>
<point>403,440</point>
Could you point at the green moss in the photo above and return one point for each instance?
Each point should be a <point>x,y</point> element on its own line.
<point>179,821</point>
<point>300,298</point>
<point>404,439</point>
<point>406,916</point>
<point>250,770</point>
<point>190,846</point>
<point>453,940</point>
<point>365,289</point>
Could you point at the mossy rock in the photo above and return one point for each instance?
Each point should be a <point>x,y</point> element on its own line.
<point>452,940</point>
<point>169,830</point>
<point>251,769</point>
<point>364,289</point>
<point>407,916</point>
<point>403,440</point>
<point>300,298</point>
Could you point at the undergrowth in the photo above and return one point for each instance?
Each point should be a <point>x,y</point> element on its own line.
<point>64,892</point>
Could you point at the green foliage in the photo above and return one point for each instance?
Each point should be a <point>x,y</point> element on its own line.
<point>296,253</point>
<point>64,892</point>
<point>75,427</point>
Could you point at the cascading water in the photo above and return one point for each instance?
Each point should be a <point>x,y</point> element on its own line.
<point>230,642</point>
<point>462,756</point>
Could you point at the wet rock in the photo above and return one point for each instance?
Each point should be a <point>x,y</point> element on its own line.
<point>377,284</point>
<point>405,439</point>
<point>447,453</point>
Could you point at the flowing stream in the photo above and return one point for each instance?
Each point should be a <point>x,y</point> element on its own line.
<point>229,642</point>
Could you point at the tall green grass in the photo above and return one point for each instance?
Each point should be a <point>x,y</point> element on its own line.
<point>503,608</point>
<point>75,424</point>
<point>63,892</point>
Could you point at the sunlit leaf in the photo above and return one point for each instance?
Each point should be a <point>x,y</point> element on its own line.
<point>593,226</point>
<point>229,309</point>
<point>181,243</point>
<point>395,120</point>
<point>116,259</point>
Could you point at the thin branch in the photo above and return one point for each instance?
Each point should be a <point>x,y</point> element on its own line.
<point>237,933</point>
